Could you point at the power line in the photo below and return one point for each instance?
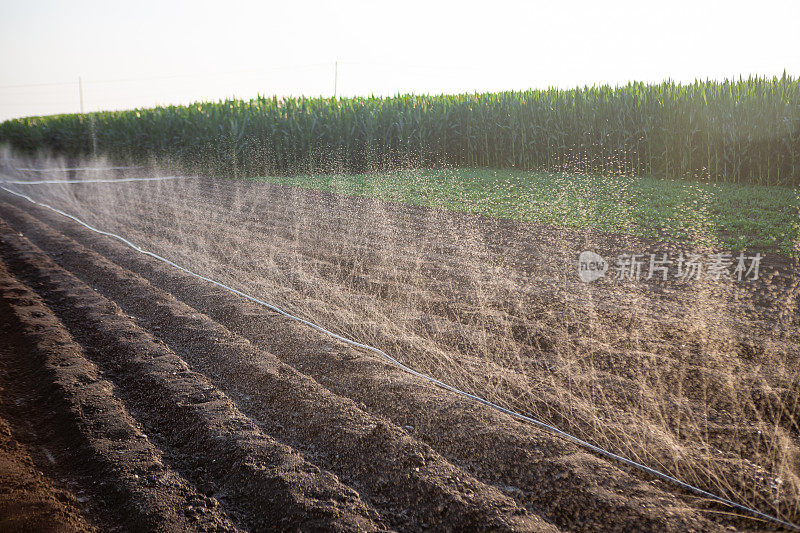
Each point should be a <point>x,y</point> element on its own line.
<point>172,76</point>
<point>24,86</point>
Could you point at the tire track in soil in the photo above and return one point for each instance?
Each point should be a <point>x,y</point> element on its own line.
<point>122,472</point>
<point>407,480</point>
<point>210,440</point>
<point>590,493</point>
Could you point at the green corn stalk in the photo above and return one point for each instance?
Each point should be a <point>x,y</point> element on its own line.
<point>736,130</point>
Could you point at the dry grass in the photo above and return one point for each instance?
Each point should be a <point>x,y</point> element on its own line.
<point>699,379</point>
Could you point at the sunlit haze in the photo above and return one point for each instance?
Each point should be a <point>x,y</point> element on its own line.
<point>140,54</point>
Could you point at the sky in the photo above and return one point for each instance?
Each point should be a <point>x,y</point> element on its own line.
<point>146,53</point>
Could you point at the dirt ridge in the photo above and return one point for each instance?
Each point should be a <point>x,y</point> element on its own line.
<point>96,427</point>
<point>566,466</point>
<point>435,490</point>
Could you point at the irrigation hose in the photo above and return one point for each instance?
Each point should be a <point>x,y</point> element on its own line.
<point>70,169</point>
<point>519,416</point>
<point>98,180</point>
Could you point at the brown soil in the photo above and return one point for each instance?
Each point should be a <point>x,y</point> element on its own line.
<point>177,405</point>
<point>30,499</point>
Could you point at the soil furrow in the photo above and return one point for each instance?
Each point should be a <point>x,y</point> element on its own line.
<point>690,378</point>
<point>121,470</point>
<point>388,467</point>
<point>216,444</point>
<point>497,452</point>
<point>32,499</point>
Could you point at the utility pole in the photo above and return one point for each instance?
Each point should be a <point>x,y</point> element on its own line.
<point>80,92</point>
<point>335,78</point>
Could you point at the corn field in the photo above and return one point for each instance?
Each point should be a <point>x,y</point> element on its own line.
<point>745,131</point>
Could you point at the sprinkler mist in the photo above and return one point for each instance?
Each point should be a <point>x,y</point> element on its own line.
<point>682,353</point>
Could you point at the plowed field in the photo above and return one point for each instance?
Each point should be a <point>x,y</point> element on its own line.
<point>136,396</point>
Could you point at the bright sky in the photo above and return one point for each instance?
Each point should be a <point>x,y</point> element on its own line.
<point>147,52</point>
